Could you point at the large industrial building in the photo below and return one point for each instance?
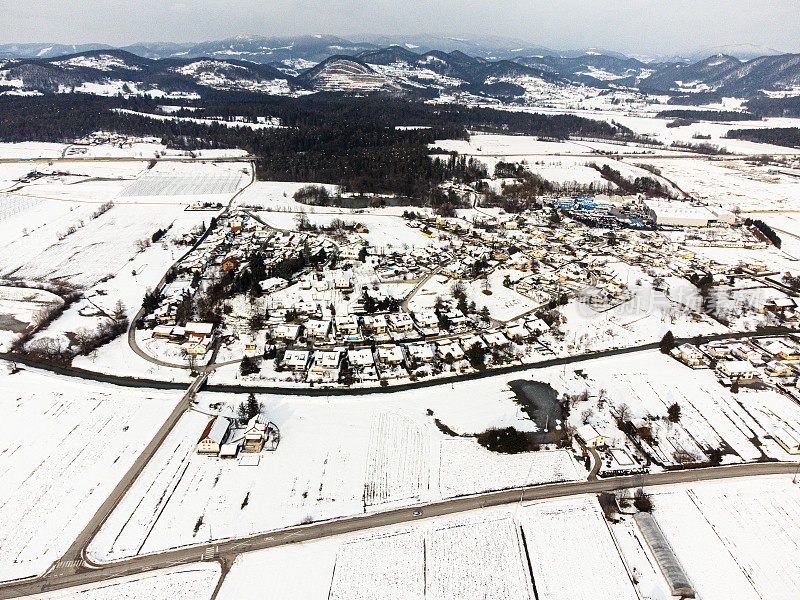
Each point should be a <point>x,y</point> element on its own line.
<point>684,214</point>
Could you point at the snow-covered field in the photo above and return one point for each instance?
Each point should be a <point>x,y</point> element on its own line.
<point>337,457</point>
<point>65,445</point>
<point>571,553</point>
<point>21,307</point>
<point>735,539</point>
<point>733,184</point>
<point>190,582</point>
<point>560,549</point>
<point>189,179</point>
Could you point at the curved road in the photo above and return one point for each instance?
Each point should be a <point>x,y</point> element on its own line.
<point>226,551</point>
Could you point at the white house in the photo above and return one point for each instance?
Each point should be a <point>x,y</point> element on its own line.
<point>360,358</point>
<point>400,322</point>
<point>296,360</point>
<point>736,370</point>
<point>590,436</point>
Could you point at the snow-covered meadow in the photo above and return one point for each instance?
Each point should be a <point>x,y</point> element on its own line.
<point>338,456</point>
<point>735,539</point>
<point>66,444</point>
<point>190,582</point>
<point>556,549</point>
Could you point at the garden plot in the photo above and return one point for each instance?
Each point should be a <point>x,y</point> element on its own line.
<point>179,179</point>
<point>735,538</point>
<point>482,559</point>
<point>86,437</point>
<point>387,566</point>
<point>571,552</point>
<point>337,457</point>
<point>711,416</point>
<point>192,582</point>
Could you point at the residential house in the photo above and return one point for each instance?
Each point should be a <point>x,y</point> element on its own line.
<point>390,355</point>
<point>420,352</point>
<point>296,360</point>
<point>590,437</point>
<point>346,326</point>
<point>375,324</point>
<point>689,355</point>
<point>400,322</point>
<point>449,350</point>
<point>255,434</point>
<point>360,358</point>
<point>736,370</point>
<point>287,332</point>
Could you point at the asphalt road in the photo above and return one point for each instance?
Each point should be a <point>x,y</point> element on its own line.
<point>227,550</point>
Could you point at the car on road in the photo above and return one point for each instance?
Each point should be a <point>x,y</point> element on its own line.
<point>417,513</point>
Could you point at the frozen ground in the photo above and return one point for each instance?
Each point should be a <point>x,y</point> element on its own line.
<point>562,548</point>
<point>21,307</point>
<point>337,457</point>
<point>733,184</point>
<point>65,446</point>
<point>735,539</point>
<point>190,582</point>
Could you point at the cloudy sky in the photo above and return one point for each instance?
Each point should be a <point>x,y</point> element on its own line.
<point>632,26</point>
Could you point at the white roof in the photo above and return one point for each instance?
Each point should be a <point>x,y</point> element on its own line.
<point>587,432</point>
<point>218,430</point>
<point>786,438</point>
<point>199,328</point>
<point>362,356</point>
<point>734,367</point>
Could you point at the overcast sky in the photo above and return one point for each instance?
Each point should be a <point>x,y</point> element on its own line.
<point>631,26</point>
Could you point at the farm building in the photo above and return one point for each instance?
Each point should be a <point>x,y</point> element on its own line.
<point>787,441</point>
<point>213,435</point>
<point>197,331</point>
